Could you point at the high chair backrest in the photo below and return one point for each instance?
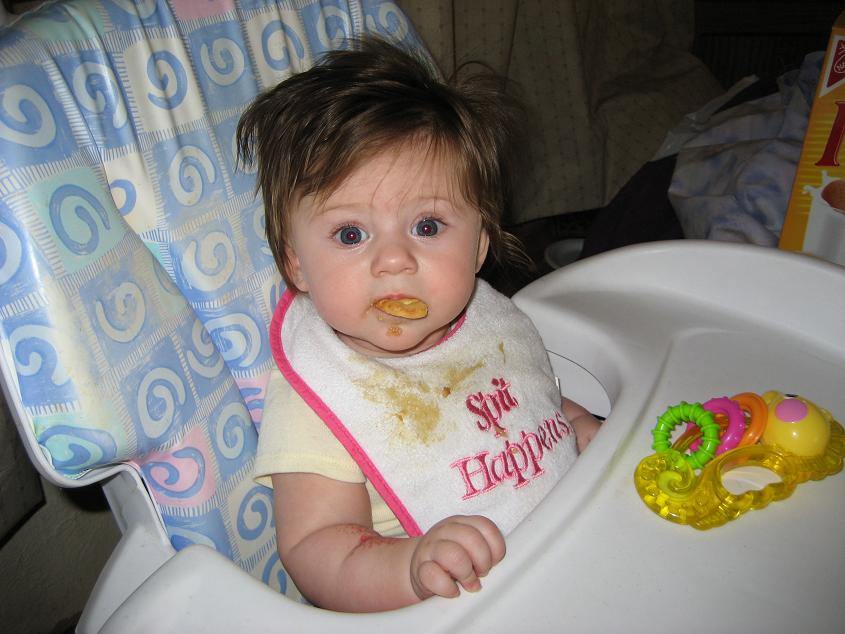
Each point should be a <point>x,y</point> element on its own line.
<point>136,285</point>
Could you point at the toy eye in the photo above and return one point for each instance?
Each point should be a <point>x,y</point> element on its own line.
<point>427,228</point>
<point>351,235</point>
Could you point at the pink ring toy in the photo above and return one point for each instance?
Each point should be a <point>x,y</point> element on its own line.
<point>736,423</point>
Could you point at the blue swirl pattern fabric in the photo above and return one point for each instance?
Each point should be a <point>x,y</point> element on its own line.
<point>136,285</point>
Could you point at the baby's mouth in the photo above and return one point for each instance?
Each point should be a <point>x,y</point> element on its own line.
<point>406,307</point>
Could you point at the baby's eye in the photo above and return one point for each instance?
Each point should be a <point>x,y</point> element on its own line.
<point>427,227</point>
<point>350,235</point>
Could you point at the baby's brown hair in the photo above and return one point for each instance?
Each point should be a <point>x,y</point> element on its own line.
<point>310,132</point>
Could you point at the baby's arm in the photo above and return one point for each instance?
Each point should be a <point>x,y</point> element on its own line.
<point>585,424</point>
<point>327,544</point>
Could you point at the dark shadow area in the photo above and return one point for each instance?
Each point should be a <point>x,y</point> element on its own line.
<point>21,494</point>
<point>535,236</point>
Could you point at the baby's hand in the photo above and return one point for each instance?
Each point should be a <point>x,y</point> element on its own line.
<point>455,552</point>
<point>586,427</point>
<point>585,424</point>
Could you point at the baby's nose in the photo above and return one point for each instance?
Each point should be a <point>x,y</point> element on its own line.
<point>394,257</point>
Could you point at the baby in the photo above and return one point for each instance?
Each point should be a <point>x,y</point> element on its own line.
<point>414,419</point>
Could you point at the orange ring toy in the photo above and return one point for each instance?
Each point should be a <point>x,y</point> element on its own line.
<point>758,413</point>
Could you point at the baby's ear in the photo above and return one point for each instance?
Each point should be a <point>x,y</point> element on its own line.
<point>483,247</point>
<point>293,268</point>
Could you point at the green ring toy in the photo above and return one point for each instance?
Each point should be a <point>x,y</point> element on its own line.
<point>688,413</point>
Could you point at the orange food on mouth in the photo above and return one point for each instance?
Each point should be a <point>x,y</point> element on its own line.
<point>407,307</point>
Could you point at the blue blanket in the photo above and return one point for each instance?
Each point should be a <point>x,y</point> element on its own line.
<point>735,168</point>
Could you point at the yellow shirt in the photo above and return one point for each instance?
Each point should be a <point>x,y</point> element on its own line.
<point>294,439</point>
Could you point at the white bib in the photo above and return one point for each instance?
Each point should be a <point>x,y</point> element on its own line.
<point>471,426</point>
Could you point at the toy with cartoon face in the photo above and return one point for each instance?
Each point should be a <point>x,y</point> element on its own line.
<point>800,441</point>
<point>796,424</point>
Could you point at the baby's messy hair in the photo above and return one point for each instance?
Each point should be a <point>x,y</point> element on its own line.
<point>310,132</point>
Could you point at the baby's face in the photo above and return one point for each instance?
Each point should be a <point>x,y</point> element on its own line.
<point>397,228</point>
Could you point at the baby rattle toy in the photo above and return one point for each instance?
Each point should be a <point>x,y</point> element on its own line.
<point>786,434</point>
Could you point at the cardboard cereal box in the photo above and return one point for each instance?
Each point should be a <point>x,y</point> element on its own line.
<point>815,218</point>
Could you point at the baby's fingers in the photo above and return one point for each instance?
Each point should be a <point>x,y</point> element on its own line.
<point>484,542</point>
<point>463,564</point>
<point>435,581</point>
<point>449,568</point>
<point>454,554</point>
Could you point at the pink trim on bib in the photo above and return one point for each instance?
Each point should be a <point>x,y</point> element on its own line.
<point>334,424</point>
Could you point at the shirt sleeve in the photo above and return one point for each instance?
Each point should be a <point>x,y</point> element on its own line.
<point>293,439</point>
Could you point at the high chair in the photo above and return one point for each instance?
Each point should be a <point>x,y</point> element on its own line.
<point>135,292</point>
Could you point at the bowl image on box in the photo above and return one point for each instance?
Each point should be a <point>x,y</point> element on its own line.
<point>826,222</point>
